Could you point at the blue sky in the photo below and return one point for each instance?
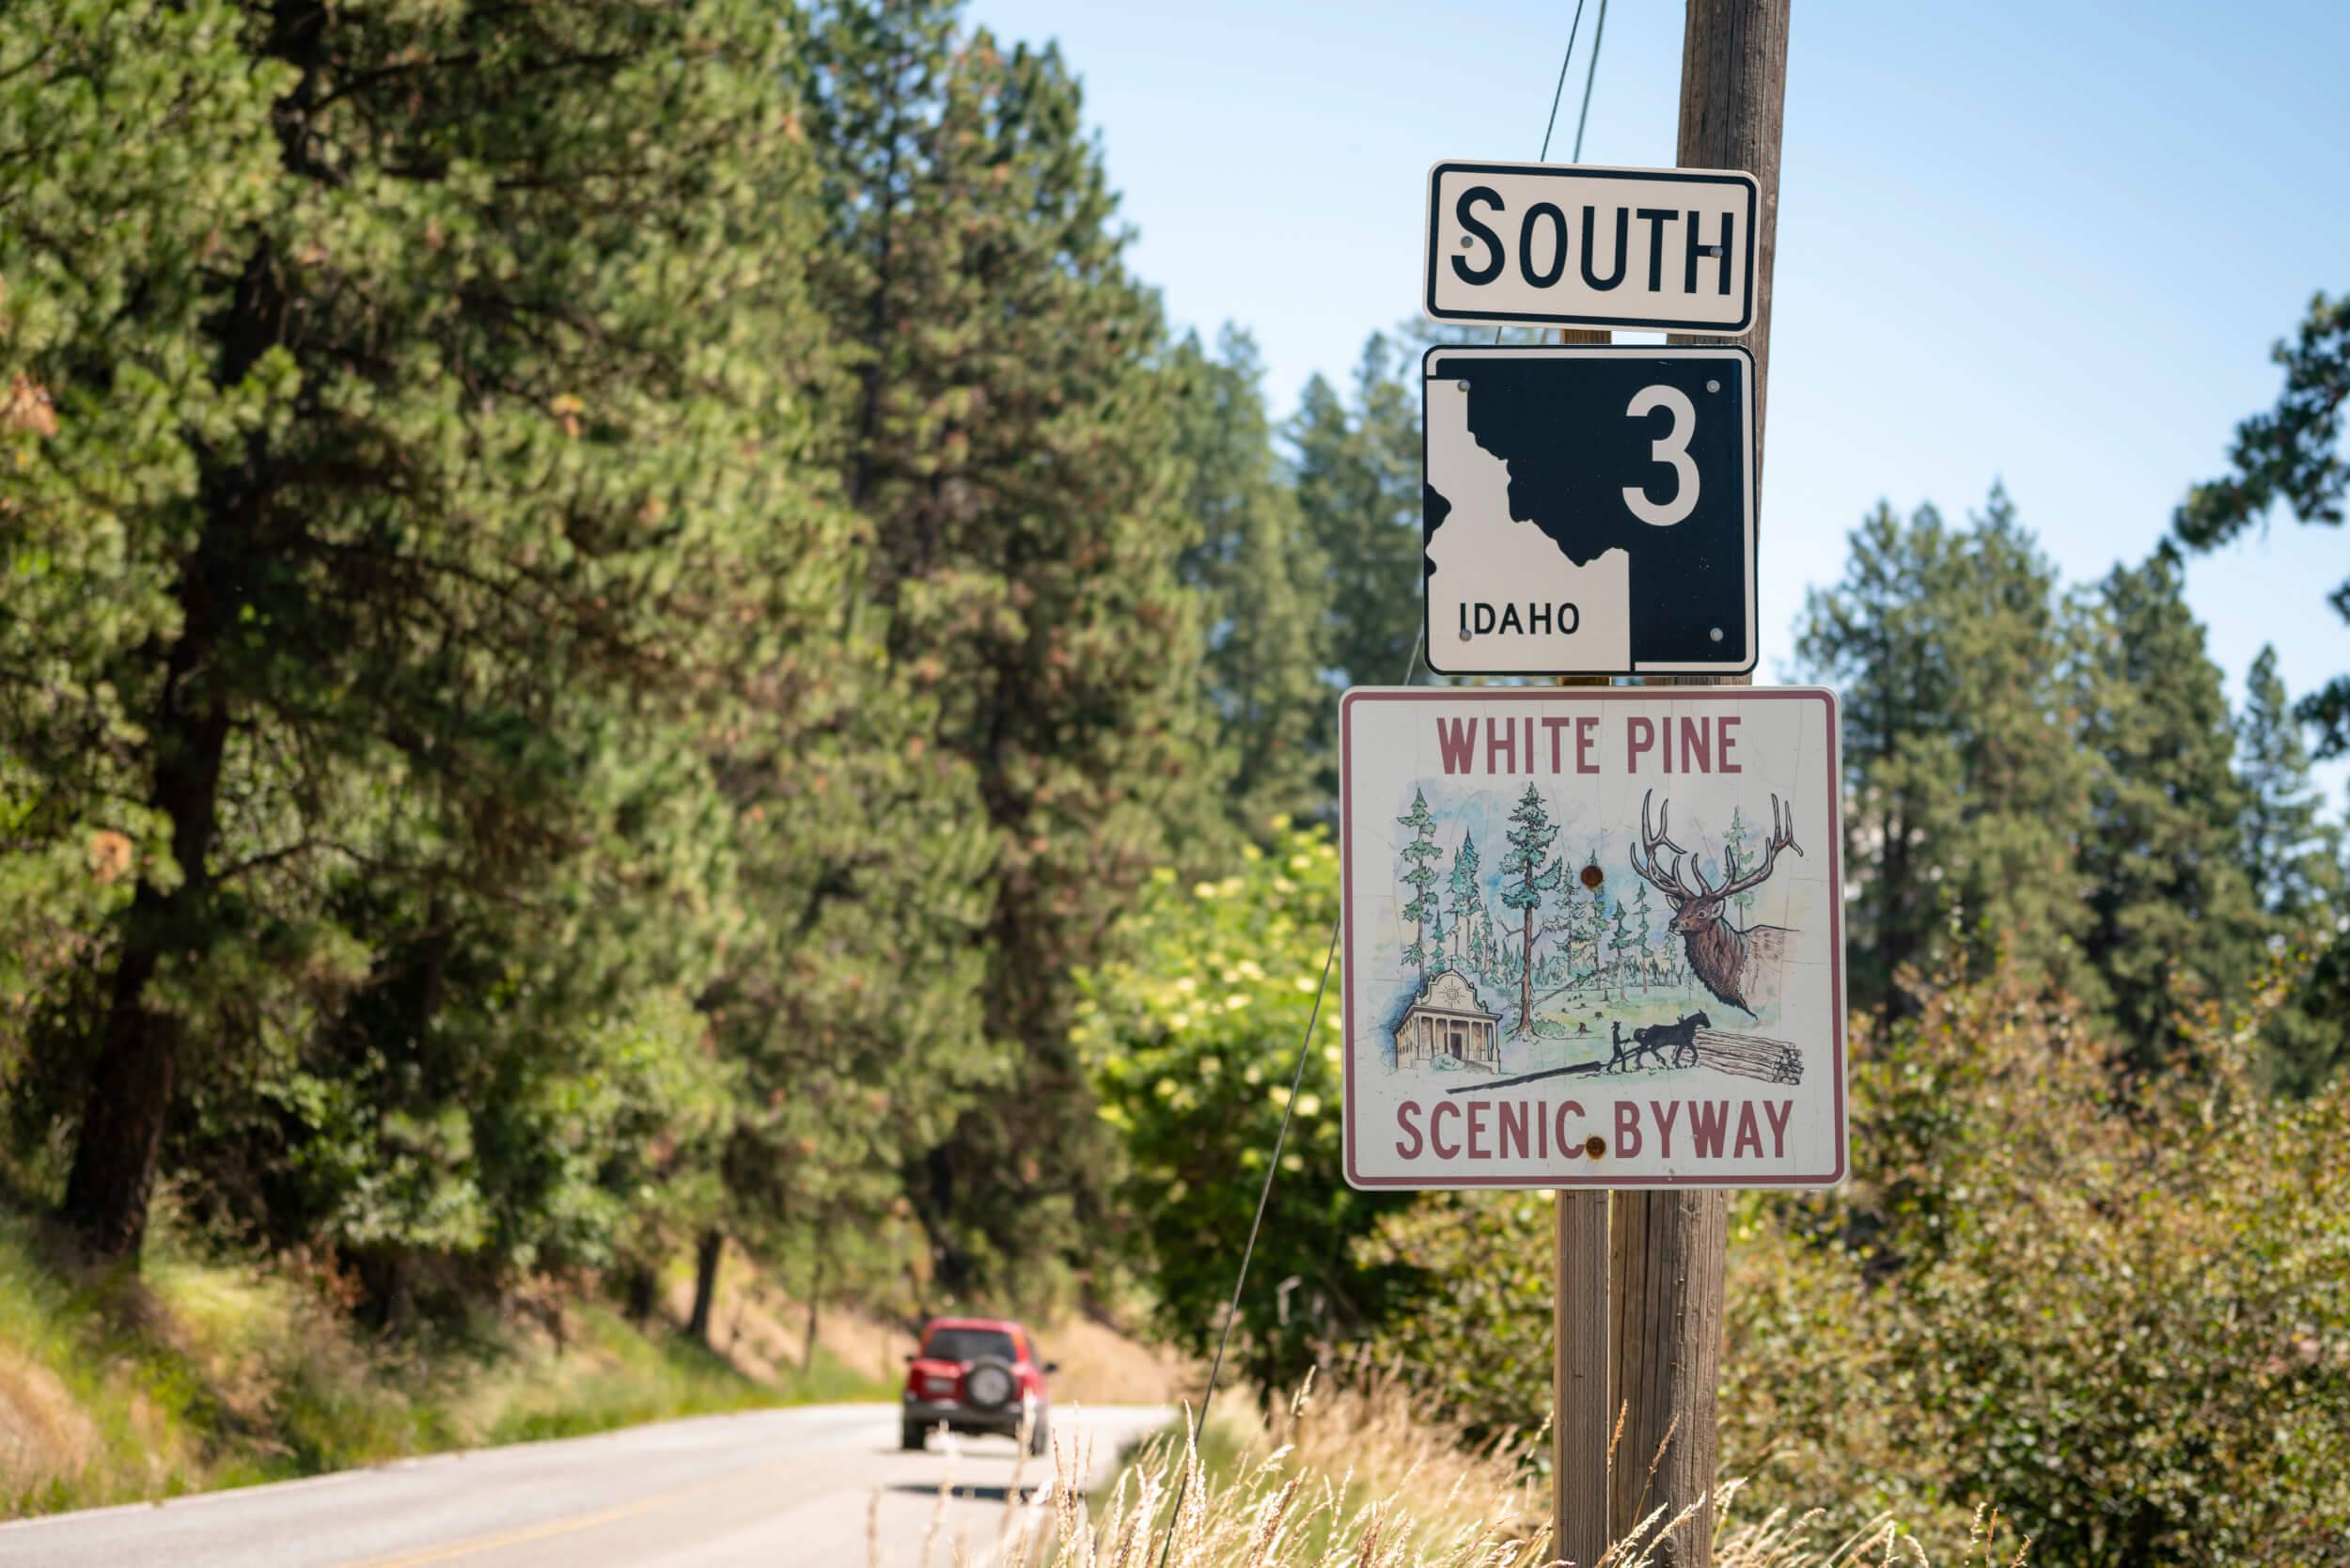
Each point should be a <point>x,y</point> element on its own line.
<point>2045,244</point>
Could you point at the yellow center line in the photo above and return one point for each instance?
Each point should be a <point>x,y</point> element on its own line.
<point>418,1557</point>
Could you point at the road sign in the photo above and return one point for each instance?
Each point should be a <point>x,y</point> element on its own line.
<point>1567,244</point>
<point>1589,509</point>
<point>1676,1017</point>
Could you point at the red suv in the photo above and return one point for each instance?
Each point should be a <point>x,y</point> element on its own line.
<point>976,1374</point>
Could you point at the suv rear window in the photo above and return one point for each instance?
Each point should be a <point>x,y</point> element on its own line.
<point>969,1344</point>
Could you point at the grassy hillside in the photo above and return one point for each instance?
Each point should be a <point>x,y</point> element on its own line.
<point>208,1374</point>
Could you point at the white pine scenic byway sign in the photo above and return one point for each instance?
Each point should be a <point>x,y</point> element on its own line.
<point>1589,509</point>
<point>1569,244</point>
<point>1593,937</point>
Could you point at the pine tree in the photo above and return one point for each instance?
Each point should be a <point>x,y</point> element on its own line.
<point>1011,443</point>
<point>1262,582</point>
<point>1530,838</point>
<point>1356,468</point>
<point>436,431</point>
<point>1967,791</point>
<point>1423,909</point>
<point>2291,851</point>
<point>134,141</point>
<point>2291,454</point>
<point>2173,917</point>
<point>2296,862</point>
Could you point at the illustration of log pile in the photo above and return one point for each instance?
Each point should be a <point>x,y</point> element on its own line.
<point>1750,1056</point>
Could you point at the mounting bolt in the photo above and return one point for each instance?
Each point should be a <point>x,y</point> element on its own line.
<point>1713,386</point>
<point>1715,634</point>
<point>1595,1146</point>
<point>1462,385</point>
<point>1465,242</point>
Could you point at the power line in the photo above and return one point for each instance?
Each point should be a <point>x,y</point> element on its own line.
<point>1559,91</point>
<point>1599,31</point>
<point>1565,60</point>
<point>1264,1193</point>
<point>1305,1045</point>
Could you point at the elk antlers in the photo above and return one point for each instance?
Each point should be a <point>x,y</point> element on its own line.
<point>1782,836</point>
<point>1666,879</point>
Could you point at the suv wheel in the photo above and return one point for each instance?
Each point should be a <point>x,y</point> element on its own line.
<point>912,1438</point>
<point>1040,1436</point>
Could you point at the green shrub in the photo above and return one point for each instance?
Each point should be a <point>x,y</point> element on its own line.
<point>2118,1307</point>
<point>1193,1040</point>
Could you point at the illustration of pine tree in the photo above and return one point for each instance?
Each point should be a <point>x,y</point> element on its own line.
<point>1427,949</point>
<point>1595,917</point>
<point>1628,945</point>
<point>1529,836</point>
<point>1468,902</point>
<point>1734,859</point>
<point>1643,933</point>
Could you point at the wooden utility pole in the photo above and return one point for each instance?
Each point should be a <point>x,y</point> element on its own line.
<point>1668,1248</point>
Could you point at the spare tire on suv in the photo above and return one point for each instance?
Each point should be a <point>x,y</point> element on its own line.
<point>990,1384</point>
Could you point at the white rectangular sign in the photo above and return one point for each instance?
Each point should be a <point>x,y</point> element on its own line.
<point>1593,937</point>
<point>1568,244</point>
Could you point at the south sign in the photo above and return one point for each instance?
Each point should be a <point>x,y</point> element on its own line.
<point>1593,937</point>
<point>1572,245</point>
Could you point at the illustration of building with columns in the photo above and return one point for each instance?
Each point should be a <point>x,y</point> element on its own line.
<point>1447,1020</point>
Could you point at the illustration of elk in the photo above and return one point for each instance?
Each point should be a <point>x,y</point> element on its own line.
<point>1734,962</point>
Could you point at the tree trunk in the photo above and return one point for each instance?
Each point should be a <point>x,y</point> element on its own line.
<point>815,1295</point>
<point>1525,963</point>
<point>640,1286</point>
<point>130,1095</point>
<point>136,1070</point>
<point>706,1254</point>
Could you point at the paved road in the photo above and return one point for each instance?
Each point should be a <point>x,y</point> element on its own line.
<point>801,1488</point>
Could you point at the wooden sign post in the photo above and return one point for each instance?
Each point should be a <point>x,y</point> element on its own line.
<point>1468,1063</point>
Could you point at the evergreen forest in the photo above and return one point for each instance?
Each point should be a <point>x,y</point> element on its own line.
<point>628,644</point>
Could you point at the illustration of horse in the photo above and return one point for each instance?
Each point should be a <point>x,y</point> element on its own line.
<point>1672,1045</point>
<point>1679,1038</point>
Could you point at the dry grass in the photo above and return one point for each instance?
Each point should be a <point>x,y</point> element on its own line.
<point>1355,1479</point>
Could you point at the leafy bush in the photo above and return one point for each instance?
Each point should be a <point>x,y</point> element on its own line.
<point>2118,1307</point>
<point>1194,1038</point>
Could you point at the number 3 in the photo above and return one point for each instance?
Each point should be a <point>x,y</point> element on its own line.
<point>1674,448</point>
